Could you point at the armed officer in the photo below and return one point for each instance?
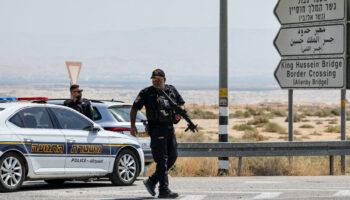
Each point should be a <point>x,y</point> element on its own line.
<point>77,103</point>
<point>161,118</point>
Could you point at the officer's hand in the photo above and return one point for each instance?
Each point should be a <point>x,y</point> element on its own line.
<point>178,117</point>
<point>133,131</point>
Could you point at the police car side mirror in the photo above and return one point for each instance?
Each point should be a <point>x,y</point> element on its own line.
<point>95,128</point>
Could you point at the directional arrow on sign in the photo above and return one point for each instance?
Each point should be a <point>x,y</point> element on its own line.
<point>311,73</point>
<point>311,40</point>
<point>301,11</point>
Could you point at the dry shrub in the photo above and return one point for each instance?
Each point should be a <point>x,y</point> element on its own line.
<point>243,127</point>
<point>192,137</point>
<point>258,120</point>
<point>274,128</point>
<point>195,167</point>
<point>333,129</point>
<point>267,166</point>
<point>333,121</point>
<point>316,133</point>
<point>297,132</point>
<point>305,137</point>
<point>200,114</point>
<point>279,113</point>
<point>257,166</point>
<point>296,117</point>
<point>253,136</point>
<point>313,166</point>
<point>240,114</point>
<point>306,126</point>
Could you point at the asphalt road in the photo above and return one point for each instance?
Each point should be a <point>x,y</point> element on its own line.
<point>192,188</point>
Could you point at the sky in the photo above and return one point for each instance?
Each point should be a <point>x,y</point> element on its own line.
<point>119,38</point>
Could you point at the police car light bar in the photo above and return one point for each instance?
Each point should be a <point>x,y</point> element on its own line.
<point>8,99</point>
<point>24,99</point>
<point>32,99</point>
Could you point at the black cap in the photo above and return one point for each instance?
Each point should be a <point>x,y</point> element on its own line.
<point>158,73</point>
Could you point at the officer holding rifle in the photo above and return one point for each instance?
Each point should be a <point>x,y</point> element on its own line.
<point>164,107</point>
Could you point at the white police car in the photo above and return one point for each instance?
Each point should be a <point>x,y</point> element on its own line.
<point>55,144</point>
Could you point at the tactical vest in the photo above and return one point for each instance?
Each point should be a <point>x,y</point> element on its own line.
<point>161,112</point>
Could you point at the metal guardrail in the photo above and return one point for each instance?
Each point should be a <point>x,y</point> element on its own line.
<point>260,149</point>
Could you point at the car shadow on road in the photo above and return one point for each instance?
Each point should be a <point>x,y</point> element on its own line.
<point>138,198</point>
<point>68,185</point>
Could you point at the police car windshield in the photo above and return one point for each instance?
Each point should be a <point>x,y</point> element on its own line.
<point>122,114</point>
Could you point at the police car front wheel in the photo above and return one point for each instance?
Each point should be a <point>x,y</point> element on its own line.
<point>125,169</point>
<point>12,172</point>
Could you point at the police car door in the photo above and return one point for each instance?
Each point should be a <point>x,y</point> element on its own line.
<point>46,145</point>
<point>88,152</point>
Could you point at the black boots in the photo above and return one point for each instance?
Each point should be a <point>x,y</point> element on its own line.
<point>167,194</point>
<point>163,194</point>
<point>150,187</point>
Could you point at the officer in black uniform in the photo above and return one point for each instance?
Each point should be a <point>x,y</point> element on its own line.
<point>161,118</point>
<point>77,103</point>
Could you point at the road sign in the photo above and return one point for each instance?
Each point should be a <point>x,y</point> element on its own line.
<point>311,40</point>
<point>311,73</point>
<point>73,71</point>
<point>301,11</point>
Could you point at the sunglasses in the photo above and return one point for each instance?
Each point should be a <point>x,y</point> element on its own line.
<point>157,79</point>
<point>78,91</point>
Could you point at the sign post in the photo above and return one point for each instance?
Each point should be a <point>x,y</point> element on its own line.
<point>223,164</point>
<point>313,45</point>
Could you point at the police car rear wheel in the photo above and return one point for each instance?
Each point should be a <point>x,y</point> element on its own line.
<point>12,172</point>
<point>125,168</point>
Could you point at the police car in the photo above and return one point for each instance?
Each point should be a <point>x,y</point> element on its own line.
<point>56,144</point>
<point>115,116</point>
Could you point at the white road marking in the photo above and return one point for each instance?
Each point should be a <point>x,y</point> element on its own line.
<point>268,195</point>
<point>263,182</point>
<point>194,197</point>
<point>342,193</point>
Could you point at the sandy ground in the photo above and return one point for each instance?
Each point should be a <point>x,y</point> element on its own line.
<point>209,127</point>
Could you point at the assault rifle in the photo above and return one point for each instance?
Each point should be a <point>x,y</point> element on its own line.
<point>183,112</point>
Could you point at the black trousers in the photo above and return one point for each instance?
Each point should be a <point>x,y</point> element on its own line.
<point>164,151</point>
